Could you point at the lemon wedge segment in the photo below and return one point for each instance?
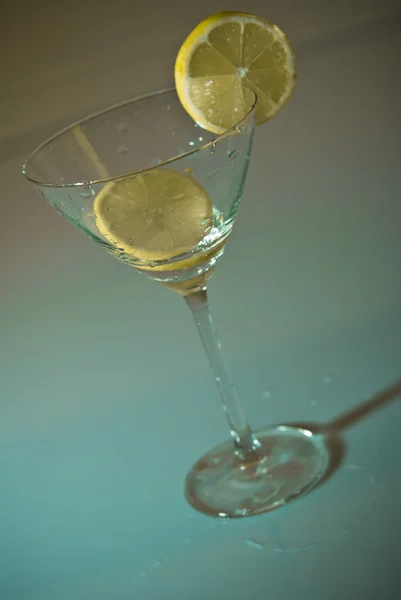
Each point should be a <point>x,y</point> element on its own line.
<point>226,58</point>
<point>154,216</point>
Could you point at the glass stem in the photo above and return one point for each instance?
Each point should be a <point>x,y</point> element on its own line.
<point>245,443</point>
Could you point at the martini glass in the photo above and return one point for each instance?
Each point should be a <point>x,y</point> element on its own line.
<point>250,472</point>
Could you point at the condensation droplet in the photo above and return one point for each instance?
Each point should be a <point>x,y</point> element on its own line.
<point>327,379</point>
<point>255,544</point>
<point>122,127</point>
<point>214,173</point>
<point>266,394</point>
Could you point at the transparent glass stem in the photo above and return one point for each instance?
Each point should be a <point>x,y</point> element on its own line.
<point>245,443</point>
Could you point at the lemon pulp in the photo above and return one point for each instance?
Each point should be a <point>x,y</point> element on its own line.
<point>225,61</point>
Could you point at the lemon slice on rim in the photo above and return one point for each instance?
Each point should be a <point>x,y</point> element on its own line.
<point>154,216</point>
<point>225,57</point>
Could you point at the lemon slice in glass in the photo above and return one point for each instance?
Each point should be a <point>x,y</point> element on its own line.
<point>154,216</point>
<point>223,59</point>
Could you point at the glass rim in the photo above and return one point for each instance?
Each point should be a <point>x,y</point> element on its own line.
<point>168,161</point>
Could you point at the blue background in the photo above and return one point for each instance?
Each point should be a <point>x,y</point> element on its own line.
<point>106,398</point>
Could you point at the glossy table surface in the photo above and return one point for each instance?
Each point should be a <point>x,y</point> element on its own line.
<point>106,397</point>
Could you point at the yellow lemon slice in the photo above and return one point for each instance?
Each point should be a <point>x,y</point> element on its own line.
<point>226,56</point>
<point>154,216</point>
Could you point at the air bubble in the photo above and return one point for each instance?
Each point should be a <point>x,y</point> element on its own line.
<point>121,149</point>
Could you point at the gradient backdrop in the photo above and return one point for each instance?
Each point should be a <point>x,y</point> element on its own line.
<point>106,398</point>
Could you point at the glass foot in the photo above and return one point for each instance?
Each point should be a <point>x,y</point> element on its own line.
<point>290,462</point>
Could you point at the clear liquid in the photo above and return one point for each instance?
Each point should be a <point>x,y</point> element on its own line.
<point>191,273</point>
<point>187,273</point>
